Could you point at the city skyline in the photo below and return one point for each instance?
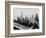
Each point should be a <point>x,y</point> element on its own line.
<point>26,12</point>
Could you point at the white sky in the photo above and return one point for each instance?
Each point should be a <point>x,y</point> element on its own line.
<point>26,12</point>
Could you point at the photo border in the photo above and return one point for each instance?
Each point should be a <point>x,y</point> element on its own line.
<point>8,14</point>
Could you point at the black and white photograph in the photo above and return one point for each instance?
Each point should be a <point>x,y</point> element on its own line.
<point>25,18</point>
